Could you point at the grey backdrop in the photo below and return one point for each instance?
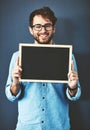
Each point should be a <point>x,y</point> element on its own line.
<point>73,27</point>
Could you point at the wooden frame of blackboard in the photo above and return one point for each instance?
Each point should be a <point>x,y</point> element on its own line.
<point>45,63</point>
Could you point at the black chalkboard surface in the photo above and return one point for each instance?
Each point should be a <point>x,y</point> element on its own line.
<point>45,63</point>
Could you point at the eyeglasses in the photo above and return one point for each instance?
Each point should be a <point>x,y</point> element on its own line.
<point>47,26</point>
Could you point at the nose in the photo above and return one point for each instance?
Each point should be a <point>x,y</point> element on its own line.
<point>43,29</point>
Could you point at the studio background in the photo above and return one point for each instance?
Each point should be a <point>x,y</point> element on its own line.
<point>73,27</point>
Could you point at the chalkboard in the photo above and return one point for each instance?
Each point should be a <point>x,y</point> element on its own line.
<point>45,63</point>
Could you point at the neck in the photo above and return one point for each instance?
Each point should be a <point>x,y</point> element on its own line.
<point>50,43</point>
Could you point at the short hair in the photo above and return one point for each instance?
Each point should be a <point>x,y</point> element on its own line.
<point>45,12</point>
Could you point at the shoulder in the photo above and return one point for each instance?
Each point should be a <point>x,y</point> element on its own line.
<point>15,54</point>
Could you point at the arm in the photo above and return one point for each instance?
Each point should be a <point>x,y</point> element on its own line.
<point>74,89</point>
<point>12,88</point>
<point>16,74</point>
<point>72,81</point>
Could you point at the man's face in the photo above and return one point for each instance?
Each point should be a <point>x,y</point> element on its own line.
<point>44,35</point>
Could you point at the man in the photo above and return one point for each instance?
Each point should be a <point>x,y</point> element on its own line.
<point>42,106</point>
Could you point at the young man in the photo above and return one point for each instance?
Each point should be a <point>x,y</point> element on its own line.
<point>42,106</point>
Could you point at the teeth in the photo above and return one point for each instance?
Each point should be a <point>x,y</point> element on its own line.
<point>43,35</point>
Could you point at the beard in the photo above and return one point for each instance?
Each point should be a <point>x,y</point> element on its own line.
<point>47,41</point>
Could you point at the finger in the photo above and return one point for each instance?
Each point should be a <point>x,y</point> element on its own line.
<point>72,66</point>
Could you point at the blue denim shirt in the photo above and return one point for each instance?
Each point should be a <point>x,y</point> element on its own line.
<point>41,106</point>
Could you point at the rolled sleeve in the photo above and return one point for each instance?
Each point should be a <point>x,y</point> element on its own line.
<point>77,95</point>
<point>9,94</point>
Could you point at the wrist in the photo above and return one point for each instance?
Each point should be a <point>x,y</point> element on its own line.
<point>14,88</point>
<point>15,84</point>
<point>72,91</point>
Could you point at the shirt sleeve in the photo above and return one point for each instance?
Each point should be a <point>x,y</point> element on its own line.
<point>77,95</point>
<point>9,79</point>
<point>9,94</point>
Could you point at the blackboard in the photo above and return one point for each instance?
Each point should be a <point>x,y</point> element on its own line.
<point>45,63</point>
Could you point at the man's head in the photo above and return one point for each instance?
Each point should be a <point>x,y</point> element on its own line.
<point>42,25</point>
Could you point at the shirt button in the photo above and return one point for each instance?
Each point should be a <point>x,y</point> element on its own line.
<point>42,121</point>
<point>42,109</point>
<point>43,97</point>
<point>43,84</point>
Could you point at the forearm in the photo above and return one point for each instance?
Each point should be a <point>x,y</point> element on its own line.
<point>14,89</point>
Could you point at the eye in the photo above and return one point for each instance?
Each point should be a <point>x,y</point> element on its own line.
<point>48,25</point>
<point>37,26</point>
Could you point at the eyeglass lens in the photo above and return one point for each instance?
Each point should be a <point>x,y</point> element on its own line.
<point>47,26</point>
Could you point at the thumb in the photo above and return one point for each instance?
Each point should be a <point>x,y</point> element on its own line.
<point>17,61</point>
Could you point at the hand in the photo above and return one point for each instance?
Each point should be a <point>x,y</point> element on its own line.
<point>72,77</point>
<point>16,73</point>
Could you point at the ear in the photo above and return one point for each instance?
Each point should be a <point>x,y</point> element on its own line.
<point>54,29</point>
<point>30,30</point>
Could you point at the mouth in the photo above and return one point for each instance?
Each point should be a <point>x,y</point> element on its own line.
<point>43,36</point>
